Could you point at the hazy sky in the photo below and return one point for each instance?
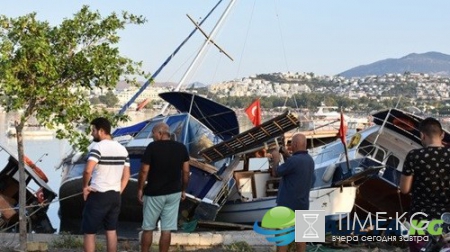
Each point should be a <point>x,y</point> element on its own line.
<point>266,36</point>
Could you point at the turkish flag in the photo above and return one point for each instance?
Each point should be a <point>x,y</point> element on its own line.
<point>254,112</point>
<point>343,130</point>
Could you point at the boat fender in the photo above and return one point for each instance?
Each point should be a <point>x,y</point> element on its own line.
<point>329,172</point>
<point>356,138</point>
<point>36,169</point>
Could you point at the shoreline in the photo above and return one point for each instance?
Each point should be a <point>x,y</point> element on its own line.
<point>196,241</point>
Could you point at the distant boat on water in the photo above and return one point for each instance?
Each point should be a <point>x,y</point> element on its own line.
<point>30,130</point>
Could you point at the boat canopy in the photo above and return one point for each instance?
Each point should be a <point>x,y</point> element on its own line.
<point>130,130</point>
<point>220,119</point>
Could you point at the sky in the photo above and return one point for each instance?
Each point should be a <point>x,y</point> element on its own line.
<point>325,37</point>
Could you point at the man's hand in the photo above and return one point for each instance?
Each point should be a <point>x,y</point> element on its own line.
<point>183,195</point>
<point>86,191</point>
<point>140,196</point>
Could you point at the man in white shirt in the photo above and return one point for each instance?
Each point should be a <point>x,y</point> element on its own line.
<point>105,177</point>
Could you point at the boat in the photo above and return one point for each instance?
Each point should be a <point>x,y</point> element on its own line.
<point>201,124</point>
<point>255,193</point>
<point>322,126</point>
<point>30,130</point>
<point>38,195</point>
<point>372,166</point>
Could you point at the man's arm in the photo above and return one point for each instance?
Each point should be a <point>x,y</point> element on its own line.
<point>405,183</point>
<point>141,180</point>
<point>185,174</point>
<point>275,162</point>
<point>87,174</point>
<point>125,178</point>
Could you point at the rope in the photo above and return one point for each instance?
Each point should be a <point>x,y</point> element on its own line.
<point>40,206</point>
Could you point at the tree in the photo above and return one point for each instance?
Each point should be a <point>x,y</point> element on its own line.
<point>46,70</point>
<point>109,99</point>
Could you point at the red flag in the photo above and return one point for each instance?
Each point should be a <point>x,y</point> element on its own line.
<point>343,130</point>
<point>254,112</point>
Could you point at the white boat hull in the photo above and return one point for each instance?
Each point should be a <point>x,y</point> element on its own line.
<point>332,200</point>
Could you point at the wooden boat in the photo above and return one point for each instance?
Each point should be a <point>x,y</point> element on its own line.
<point>38,195</point>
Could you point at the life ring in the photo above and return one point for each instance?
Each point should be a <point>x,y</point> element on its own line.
<point>36,169</point>
<point>356,138</point>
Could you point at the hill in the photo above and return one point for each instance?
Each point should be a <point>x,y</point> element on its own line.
<point>433,63</point>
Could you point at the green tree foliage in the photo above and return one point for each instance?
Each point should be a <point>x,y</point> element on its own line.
<point>109,99</point>
<point>95,100</point>
<point>46,70</point>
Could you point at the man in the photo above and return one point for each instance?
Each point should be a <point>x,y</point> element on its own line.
<point>297,178</point>
<point>426,175</point>
<point>165,167</point>
<point>108,171</point>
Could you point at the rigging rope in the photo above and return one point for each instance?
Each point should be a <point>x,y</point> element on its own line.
<point>281,36</point>
<point>246,38</point>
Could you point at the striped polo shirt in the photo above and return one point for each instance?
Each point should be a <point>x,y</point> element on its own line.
<point>111,158</point>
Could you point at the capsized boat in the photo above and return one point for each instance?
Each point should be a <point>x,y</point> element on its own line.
<point>210,132</point>
<point>38,195</point>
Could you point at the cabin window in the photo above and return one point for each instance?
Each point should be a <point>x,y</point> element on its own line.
<point>176,125</point>
<point>199,138</point>
<point>392,161</point>
<point>147,131</point>
<point>367,149</point>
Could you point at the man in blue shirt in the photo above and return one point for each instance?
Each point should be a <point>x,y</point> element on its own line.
<point>297,178</point>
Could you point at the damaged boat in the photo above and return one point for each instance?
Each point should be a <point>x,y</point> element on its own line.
<point>364,181</point>
<point>201,124</point>
<point>38,195</point>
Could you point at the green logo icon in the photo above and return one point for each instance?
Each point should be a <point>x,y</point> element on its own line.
<point>277,225</point>
<point>278,217</point>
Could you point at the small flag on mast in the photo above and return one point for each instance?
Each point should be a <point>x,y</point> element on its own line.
<point>254,112</point>
<point>343,130</point>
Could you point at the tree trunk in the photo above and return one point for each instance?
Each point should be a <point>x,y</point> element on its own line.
<point>22,190</point>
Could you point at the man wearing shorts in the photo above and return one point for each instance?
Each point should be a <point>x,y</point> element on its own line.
<point>165,168</point>
<point>108,171</point>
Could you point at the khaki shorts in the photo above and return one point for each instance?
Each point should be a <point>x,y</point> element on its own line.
<point>164,207</point>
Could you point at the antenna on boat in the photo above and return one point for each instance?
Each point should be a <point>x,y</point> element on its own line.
<point>153,76</point>
<point>40,159</point>
<point>202,49</point>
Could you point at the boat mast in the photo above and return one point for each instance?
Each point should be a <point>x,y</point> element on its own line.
<point>202,49</point>
<point>153,76</point>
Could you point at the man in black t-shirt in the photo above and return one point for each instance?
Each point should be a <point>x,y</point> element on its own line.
<point>426,174</point>
<point>165,167</point>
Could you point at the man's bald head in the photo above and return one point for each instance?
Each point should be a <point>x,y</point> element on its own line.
<point>160,129</point>
<point>298,142</point>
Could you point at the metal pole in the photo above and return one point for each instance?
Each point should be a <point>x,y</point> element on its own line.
<point>128,104</point>
<point>202,49</point>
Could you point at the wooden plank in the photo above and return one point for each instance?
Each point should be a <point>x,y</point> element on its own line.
<point>202,166</point>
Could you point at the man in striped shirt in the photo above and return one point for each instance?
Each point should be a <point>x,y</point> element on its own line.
<point>105,177</point>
